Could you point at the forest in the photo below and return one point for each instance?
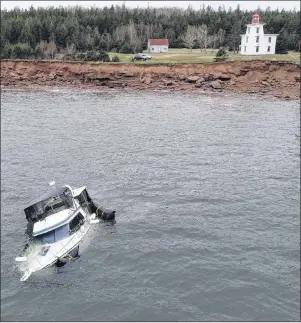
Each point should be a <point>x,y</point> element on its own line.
<point>75,31</point>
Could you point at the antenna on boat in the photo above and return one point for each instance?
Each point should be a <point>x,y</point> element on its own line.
<point>52,183</point>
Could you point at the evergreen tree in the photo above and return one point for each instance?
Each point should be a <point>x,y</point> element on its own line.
<point>61,34</point>
<point>281,42</point>
<point>129,29</point>
<point>21,50</point>
<point>234,37</point>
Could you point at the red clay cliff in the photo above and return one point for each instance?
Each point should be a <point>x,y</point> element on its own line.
<point>272,78</point>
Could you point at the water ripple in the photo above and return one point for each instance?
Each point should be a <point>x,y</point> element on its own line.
<point>207,195</point>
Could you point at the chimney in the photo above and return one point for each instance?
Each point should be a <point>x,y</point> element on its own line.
<point>255,18</point>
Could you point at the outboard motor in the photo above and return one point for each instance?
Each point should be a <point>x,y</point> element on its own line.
<point>105,214</point>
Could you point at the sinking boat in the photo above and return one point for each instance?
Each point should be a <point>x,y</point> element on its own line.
<point>59,221</point>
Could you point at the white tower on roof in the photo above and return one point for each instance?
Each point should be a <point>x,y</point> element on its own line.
<point>255,42</point>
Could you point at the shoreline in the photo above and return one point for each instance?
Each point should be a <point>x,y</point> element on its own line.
<point>276,79</point>
<point>103,90</point>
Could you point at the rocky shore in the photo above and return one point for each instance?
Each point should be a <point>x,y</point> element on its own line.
<point>270,78</point>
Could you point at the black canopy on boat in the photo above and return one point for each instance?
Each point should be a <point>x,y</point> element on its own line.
<point>38,207</point>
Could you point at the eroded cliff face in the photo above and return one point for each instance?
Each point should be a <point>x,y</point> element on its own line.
<point>278,79</point>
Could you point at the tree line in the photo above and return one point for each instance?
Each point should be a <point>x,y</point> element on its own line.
<point>74,31</point>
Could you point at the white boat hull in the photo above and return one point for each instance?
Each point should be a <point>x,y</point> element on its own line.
<point>40,255</point>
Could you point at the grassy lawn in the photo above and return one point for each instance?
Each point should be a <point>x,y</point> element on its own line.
<point>185,56</point>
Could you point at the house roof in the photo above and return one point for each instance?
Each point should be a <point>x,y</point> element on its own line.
<point>163,41</point>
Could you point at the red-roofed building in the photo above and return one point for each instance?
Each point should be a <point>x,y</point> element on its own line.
<point>157,45</point>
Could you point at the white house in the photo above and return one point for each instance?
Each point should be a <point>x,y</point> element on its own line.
<point>255,42</point>
<point>157,45</point>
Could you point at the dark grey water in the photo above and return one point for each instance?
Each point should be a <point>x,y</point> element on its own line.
<point>206,190</point>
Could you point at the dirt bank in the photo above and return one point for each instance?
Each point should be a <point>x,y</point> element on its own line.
<point>277,79</point>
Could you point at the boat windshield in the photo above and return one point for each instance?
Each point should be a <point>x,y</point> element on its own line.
<point>54,235</point>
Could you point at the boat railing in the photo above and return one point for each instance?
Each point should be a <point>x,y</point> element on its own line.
<point>63,246</point>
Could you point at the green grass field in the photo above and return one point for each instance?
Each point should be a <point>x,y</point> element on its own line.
<point>186,56</point>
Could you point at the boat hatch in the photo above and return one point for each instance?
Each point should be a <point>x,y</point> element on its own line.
<point>44,251</point>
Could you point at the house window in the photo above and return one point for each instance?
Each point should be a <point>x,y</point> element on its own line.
<point>249,30</point>
<point>257,49</point>
<point>153,48</point>
<point>245,48</point>
<point>257,39</point>
<point>270,39</point>
<point>247,39</point>
<point>257,30</point>
<point>269,49</point>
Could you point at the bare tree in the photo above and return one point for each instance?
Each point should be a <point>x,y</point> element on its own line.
<point>89,38</point>
<point>149,30</point>
<point>158,30</point>
<point>42,46</point>
<point>48,50</point>
<point>211,41</point>
<point>120,33</point>
<point>235,36</point>
<point>51,49</point>
<point>190,36</point>
<point>133,34</point>
<point>131,30</point>
<point>107,39</point>
<point>202,36</point>
<point>141,32</point>
<point>96,37</point>
<point>135,41</point>
<point>220,37</point>
<point>70,49</point>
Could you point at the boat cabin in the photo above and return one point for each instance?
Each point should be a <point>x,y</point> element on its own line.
<point>58,213</point>
<point>49,233</point>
